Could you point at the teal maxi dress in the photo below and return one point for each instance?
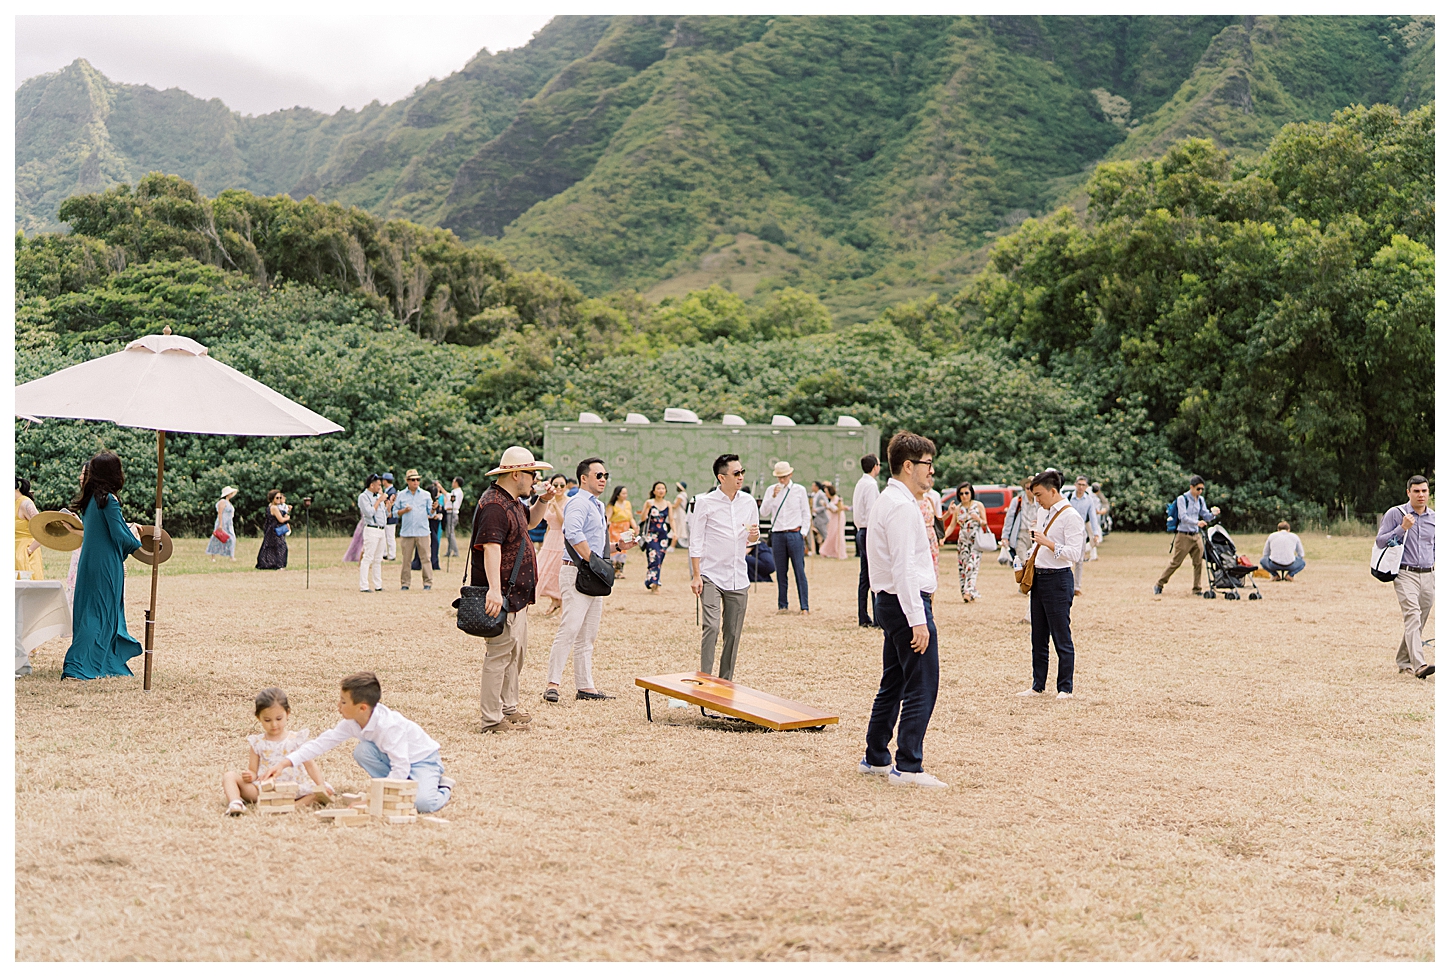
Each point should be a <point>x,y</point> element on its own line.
<point>101,645</point>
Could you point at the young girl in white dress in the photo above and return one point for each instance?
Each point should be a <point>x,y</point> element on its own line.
<point>269,748</point>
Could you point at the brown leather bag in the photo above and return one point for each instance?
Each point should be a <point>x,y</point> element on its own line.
<point>1029,569</point>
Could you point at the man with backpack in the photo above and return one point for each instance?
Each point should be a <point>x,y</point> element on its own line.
<point>1187,514</point>
<point>1412,525</point>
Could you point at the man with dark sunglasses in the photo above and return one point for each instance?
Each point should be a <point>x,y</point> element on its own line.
<point>723,525</point>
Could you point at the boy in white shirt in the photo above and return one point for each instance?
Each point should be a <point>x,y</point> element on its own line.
<point>389,745</point>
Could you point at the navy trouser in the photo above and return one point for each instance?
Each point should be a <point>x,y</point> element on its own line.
<point>789,550</point>
<point>1052,618</point>
<point>908,686</point>
<point>863,585</point>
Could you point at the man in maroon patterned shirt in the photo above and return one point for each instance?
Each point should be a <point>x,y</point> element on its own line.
<point>500,537</point>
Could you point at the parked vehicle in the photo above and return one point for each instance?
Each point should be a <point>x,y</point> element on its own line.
<point>994,498</point>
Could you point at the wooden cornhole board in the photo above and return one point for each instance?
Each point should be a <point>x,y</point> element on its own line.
<point>738,701</point>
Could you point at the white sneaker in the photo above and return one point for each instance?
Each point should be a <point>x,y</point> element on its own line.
<point>1028,692</point>
<point>448,782</point>
<point>922,779</point>
<point>868,770</point>
<point>1064,695</point>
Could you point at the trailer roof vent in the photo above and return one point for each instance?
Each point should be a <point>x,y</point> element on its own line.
<point>734,419</point>
<point>678,415</point>
<point>587,418</point>
<point>846,420</point>
<point>633,418</point>
<point>780,420</point>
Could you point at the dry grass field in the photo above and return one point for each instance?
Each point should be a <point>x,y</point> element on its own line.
<point>1234,780</point>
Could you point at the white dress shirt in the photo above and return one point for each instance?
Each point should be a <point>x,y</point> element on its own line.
<point>898,552</point>
<point>400,738</point>
<point>455,501</point>
<point>1067,534</point>
<point>787,506</point>
<point>867,492</point>
<point>719,534</point>
<point>935,497</point>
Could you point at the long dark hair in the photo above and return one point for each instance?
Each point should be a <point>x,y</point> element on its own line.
<point>967,488</point>
<point>615,497</point>
<point>103,477</point>
<point>658,485</point>
<point>22,485</point>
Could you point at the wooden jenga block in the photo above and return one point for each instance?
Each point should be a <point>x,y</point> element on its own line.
<point>401,819</point>
<point>344,817</point>
<point>382,786</point>
<point>433,822</point>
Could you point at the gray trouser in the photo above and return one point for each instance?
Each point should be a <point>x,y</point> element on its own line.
<point>450,527</point>
<point>733,602</point>
<point>1416,592</point>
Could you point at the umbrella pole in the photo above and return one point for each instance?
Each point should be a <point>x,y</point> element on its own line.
<point>307,528</point>
<point>156,565</point>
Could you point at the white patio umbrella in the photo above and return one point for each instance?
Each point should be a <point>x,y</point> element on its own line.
<point>167,383</point>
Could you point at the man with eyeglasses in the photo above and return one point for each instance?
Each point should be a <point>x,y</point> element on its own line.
<point>903,580</point>
<point>722,527</point>
<point>586,530</point>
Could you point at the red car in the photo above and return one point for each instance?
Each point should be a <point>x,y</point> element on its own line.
<point>995,498</point>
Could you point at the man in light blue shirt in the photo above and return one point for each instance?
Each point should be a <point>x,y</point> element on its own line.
<point>1085,504</point>
<point>412,507</point>
<point>1193,515</point>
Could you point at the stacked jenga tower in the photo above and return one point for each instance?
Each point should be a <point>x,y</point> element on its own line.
<point>392,800</point>
<point>275,798</point>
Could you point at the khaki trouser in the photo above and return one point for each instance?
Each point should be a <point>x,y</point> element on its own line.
<point>502,662</point>
<point>407,546</point>
<point>1416,592</point>
<point>1190,545</point>
<point>729,604</point>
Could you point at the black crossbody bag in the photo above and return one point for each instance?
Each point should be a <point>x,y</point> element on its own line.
<point>595,578</point>
<point>473,616</point>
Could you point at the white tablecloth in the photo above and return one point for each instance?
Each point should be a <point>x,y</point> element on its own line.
<point>41,613</point>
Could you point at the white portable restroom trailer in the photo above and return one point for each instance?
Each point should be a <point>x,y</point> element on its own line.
<point>640,454</point>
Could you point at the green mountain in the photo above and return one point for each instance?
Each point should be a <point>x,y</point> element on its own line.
<point>868,159</point>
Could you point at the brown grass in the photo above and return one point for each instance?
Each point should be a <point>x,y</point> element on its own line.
<point>1234,781</point>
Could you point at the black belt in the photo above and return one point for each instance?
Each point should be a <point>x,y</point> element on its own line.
<point>1041,570</point>
<point>1419,569</point>
<point>371,526</point>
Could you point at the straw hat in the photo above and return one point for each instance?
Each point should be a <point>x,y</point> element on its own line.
<point>229,491</point>
<point>147,553</point>
<point>412,473</point>
<point>782,469</point>
<point>53,529</point>
<point>517,459</point>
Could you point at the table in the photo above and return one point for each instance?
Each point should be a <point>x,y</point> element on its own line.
<point>41,613</point>
<point>737,701</point>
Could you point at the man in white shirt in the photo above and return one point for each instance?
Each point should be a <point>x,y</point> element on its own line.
<point>1283,554</point>
<point>866,493</point>
<point>1085,504</point>
<point>903,580</point>
<point>789,511</point>
<point>722,526</point>
<point>372,505</point>
<point>452,506</point>
<point>1058,541</point>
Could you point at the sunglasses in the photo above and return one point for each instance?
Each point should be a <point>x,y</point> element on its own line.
<point>736,474</point>
<point>603,475</point>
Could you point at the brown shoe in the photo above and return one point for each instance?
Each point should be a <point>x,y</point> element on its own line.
<point>518,718</point>
<point>495,727</point>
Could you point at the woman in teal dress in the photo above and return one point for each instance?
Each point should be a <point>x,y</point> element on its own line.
<point>100,645</point>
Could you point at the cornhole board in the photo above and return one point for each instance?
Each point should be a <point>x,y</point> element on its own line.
<point>736,701</point>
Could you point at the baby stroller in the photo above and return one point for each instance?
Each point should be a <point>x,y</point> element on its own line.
<point>1225,572</point>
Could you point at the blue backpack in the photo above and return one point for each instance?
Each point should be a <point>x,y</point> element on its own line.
<point>1172,513</point>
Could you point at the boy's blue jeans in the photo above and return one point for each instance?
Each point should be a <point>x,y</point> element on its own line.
<point>424,773</point>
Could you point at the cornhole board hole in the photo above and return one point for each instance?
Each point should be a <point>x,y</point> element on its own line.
<point>735,701</point>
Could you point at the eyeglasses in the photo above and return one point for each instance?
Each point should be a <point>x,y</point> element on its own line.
<point>924,461</point>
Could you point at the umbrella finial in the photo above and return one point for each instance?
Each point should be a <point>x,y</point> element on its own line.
<point>166,330</point>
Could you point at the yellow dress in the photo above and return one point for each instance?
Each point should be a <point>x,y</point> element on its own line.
<point>23,539</point>
<point>621,517</point>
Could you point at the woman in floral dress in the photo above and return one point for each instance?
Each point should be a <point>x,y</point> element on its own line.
<point>969,517</point>
<point>655,535</point>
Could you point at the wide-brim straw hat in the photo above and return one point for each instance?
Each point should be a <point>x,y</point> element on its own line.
<point>53,529</point>
<point>518,459</point>
<point>782,469</point>
<point>412,473</point>
<point>147,554</point>
<point>229,491</point>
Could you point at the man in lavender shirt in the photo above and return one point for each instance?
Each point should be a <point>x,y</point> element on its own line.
<point>1414,525</point>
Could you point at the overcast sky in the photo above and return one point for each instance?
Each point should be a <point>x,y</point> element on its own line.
<point>261,64</point>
